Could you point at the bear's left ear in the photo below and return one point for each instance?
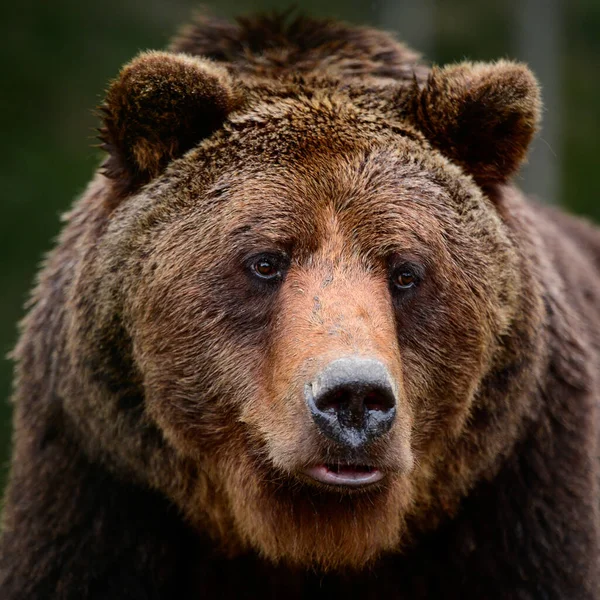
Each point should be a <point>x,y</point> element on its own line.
<point>480,115</point>
<point>161,105</point>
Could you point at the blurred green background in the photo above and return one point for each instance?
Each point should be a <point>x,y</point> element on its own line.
<point>58,57</point>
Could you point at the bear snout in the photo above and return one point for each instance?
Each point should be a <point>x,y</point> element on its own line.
<point>352,401</point>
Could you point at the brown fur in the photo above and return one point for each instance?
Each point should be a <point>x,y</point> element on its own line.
<point>160,425</point>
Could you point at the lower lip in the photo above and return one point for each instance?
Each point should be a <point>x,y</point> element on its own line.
<point>344,475</point>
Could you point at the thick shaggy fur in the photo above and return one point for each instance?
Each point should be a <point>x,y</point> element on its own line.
<point>160,426</point>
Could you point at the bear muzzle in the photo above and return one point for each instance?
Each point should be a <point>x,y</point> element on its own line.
<point>352,401</point>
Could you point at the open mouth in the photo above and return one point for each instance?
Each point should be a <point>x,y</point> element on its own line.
<point>354,476</point>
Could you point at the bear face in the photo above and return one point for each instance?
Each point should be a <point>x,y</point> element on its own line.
<point>306,242</point>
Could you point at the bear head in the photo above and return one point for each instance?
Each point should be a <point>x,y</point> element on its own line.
<point>298,318</point>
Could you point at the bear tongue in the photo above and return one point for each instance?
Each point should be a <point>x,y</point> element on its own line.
<point>344,475</point>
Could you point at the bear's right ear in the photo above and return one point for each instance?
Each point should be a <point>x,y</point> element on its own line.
<point>161,105</point>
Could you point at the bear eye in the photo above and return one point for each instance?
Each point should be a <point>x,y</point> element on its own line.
<point>404,278</point>
<point>267,268</point>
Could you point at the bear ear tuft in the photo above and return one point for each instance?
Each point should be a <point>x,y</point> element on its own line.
<point>161,105</point>
<point>480,115</point>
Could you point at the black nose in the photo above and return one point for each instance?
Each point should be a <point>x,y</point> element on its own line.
<point>352,400</point>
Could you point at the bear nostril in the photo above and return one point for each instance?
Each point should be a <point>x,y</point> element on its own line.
<point>333,402</point>
<point>378,401</point>
<point>352,400</point>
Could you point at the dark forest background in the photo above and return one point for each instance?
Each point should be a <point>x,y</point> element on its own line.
<point>56,58</point>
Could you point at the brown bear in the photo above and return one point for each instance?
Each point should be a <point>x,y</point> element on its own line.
<point>301,338</point>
